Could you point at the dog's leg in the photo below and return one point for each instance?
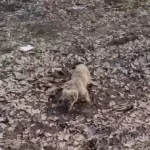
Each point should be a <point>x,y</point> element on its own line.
<point>75,97</point>
<point>87,97</point>
<point>71,106</point>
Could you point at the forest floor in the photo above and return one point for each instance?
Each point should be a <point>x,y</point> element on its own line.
<point>113,40</point>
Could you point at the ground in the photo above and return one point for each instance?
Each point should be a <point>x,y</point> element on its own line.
<point>111,37</point>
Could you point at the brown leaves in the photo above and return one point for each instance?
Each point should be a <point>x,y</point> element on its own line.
<point>114,44</point>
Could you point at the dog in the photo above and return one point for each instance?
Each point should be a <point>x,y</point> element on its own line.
<point>77,86</point>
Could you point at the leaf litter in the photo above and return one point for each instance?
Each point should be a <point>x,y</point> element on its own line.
<point>110,38</point>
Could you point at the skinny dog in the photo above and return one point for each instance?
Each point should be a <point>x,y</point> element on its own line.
<point>77,86</point>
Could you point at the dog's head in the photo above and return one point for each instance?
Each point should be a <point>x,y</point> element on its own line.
<point>69,95</point>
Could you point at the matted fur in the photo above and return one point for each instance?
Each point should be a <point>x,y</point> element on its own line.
<point>77,86</point>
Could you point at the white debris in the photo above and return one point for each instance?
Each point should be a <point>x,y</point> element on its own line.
<point>78,7</point>
<point>26,48</point>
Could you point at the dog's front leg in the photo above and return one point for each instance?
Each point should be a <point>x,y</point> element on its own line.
<point>75,98</point>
